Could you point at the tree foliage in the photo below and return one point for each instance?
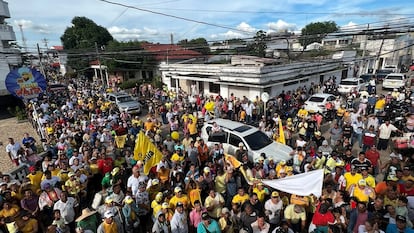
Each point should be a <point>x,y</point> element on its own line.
<point>127,56</point>
<point>200,45</point>
<point>80,38</point>
<point>258,46</point>
<point>315,32</point>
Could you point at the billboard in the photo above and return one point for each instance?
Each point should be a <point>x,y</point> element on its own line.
<point>25,83</point>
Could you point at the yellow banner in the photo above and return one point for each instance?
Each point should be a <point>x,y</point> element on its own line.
<point>147,152</point>
<point>120,141</point>
<point>281,137</point>
<point>232,160</point>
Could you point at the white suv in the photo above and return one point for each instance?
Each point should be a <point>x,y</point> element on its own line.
<point>394,81</point>
<point>124,102</point>
<point>317,102</point>
<point>255,141</point>
<point>349,85</point>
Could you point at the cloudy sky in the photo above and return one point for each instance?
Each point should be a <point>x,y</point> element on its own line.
<point>155,20</point>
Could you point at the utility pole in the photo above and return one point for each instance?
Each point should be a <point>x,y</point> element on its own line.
<point>40,60</point>
<point>362,69</point>
<point>23,38</point>
<point>100,67</point>
<point>44,40</point>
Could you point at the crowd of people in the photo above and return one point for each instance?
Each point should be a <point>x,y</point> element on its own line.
<point>90,180</point>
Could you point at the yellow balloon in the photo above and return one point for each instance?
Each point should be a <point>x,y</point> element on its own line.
<point>175,135</point>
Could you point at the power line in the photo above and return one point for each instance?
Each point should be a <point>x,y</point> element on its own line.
<point>176,17</point>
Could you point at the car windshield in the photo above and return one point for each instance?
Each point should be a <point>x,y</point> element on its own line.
<point>316,99</point>
<point>349,83</point>
<point>257,140</point>
<point>123,99</point>
<point>394,78</point>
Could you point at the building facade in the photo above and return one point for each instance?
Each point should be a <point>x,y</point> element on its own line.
<point>248,80</point>
<point>10,58</point>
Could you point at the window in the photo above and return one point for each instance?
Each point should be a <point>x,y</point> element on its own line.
<point>220,137</point>
<point>234,140</point>
<point>258,140</point>
<point>214,88</point>
<point>173,82</point>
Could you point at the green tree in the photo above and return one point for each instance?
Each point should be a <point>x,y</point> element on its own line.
<point>258,46</point>
<point>315,32</point>
<point>200,45</point>
<point>80,38</point>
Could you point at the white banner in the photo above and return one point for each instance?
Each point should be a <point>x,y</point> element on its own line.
<point>302,184</point>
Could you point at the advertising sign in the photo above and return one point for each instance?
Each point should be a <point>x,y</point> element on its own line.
<point>25,83</point>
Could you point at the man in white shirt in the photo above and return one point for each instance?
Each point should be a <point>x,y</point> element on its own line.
<point>12,150</point>
<point>384,132</point>
<point>66,205</point>
<point>274,206</point>
<point>134,180</point>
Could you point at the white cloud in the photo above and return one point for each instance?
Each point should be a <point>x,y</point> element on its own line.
<point>350,25</point>
<point>29,25</point>
<point>281,25</point>
<point>121,33</point>
<point>230,35</point>
<point>150,31</point>
<point>243,26</point>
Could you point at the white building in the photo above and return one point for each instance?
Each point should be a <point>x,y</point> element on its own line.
<point>248,76</point>
<point>10,58</point>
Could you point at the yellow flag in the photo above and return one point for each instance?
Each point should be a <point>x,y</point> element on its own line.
<point>120,141</point>
<point>281,137</point>
<point>232,160</point>
<point>147,152</point>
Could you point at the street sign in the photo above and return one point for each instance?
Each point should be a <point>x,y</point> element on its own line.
<point>265,96</point>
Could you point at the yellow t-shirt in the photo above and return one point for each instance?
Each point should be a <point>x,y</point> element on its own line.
<point>177,158</point>
<point>380,104</point>
<point>370,180</point>
<point>192,128</point>
<point>291,214</point>
<point>261,194</point>
<point>156,207</point>
<point>363,194</point>
<point>240,199</point>
<point>183,199</point>
<point>35,179</point>
<point>351,179</point>
<point>340,112</point>
<point>220,184</point>
<point>209,202</point>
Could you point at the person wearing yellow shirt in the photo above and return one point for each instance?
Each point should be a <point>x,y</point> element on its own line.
<point>178,156</point>
<point>192,127</point>
<point>340,114</point>
<point>302,113</point>
<point>35,177</point>
<point>240,197</point>
<point>9,210</point>
<point>369,179</point>
<point>149,125</point>
<point>260,191</point>
<point>352,177</point>
<point>179,197</point>
<point>136,121</point>
<point>361,191</point>
<point>380,104</point>
<point>214,203</point>
<point>156,204</point>
<point>281,168</point>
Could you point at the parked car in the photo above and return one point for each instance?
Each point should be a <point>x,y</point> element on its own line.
<point>351,85</point>
<point>317,102</point>
<point>124,102</point>
<point>367,77</point>
<point>380,74</point>
<point>255,141</point>
<point>394,81</point>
